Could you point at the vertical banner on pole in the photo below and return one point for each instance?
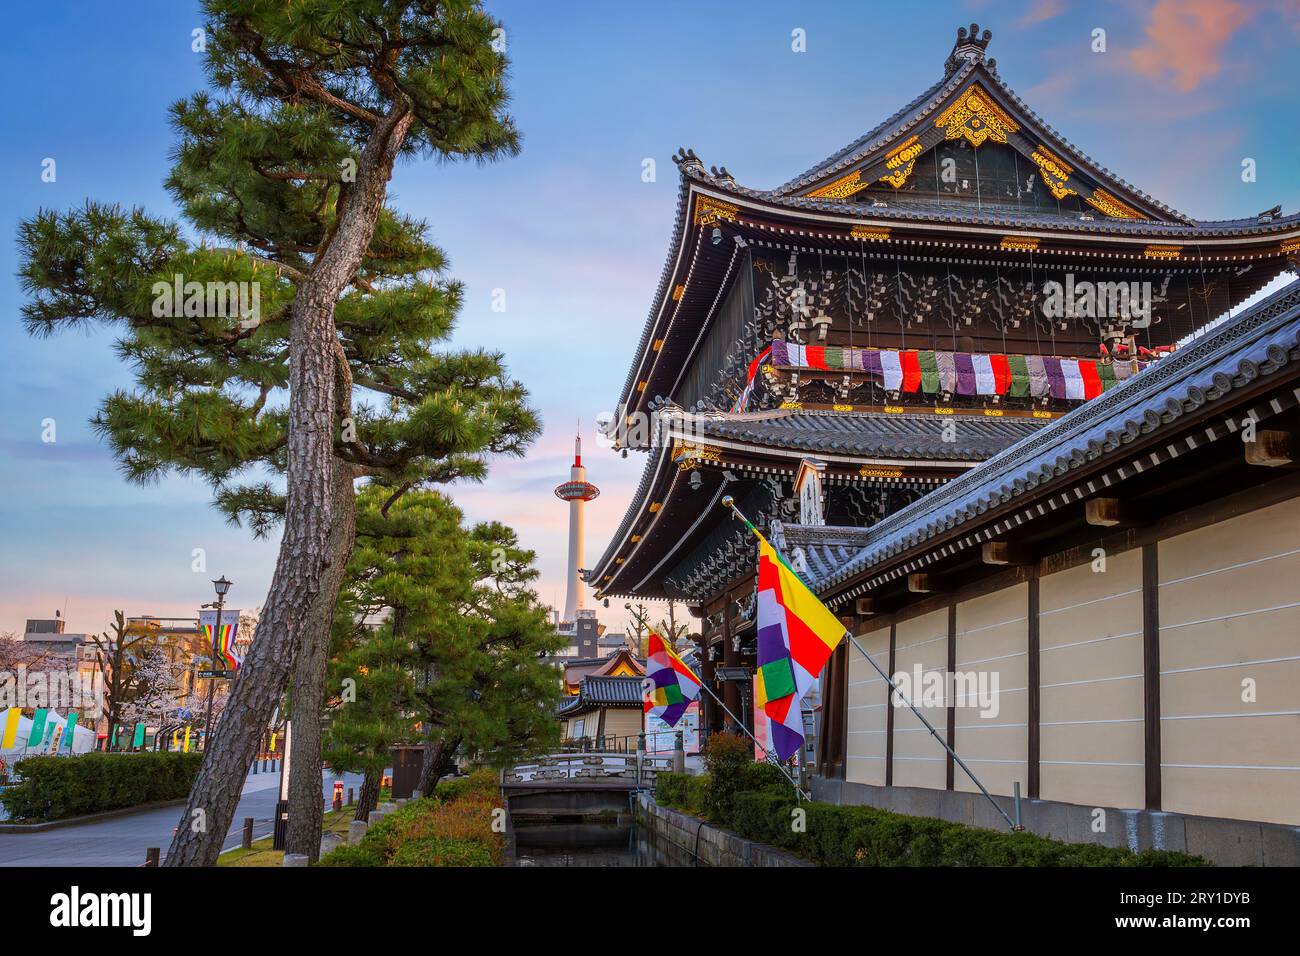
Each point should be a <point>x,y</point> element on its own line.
<point>222,641</point>
<point>11,728</point>
<point>137,740</point>
<point>186,748</point>
<point>68,735</point>
<point>38,727</point>
<point>53,734</point>
<point>762,723</point>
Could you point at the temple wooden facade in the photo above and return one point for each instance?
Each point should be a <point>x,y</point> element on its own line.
<point>850,345</point>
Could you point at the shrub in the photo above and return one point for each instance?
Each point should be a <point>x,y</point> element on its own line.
<point>435,851</point>
<point>866,836</point>
<point>727,759</point>
<point>670,789</point>
<point>53,788</point>
<point>449,829</point>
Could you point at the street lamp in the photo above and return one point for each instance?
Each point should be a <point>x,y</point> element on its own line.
<point>221,586</point>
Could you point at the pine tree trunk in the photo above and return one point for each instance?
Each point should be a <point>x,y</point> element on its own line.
<point>304,548</point>
<point>437,758</point>
<point>368,799</point>
<point>308,689</point>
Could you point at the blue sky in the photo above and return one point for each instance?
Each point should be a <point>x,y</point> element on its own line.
<point>1185,90</point>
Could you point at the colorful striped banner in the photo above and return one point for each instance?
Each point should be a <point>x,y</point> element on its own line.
<point>957,373</point>
<point>38,727</point>
<point>11,728</point>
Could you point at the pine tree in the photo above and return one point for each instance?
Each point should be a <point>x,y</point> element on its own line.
<point>285,167</point>
<point>436,627</point>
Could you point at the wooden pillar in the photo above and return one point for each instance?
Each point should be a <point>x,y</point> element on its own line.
<point>708,709</point>
<point>889,712</point>
<point>1035,688</point>
<point>731,658</point>
<point>952,703</point>
<point>831,740</point>
<point>1151,671</point>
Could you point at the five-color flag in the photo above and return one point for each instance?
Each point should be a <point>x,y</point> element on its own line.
<point>796,637</point>
<point>670,684</point>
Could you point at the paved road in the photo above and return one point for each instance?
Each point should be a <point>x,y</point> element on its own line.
<point>122,841</point>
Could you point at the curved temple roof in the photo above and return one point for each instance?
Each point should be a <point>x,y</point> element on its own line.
<point>1260,341</point>
<point>1126,225</point>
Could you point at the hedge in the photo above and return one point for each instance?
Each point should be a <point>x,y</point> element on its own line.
<point>52,788</point>
<point>451,828</point>
<point>865,836</point>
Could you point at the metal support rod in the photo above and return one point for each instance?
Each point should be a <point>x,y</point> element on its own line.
<point>770,757</point>
<point>729,502</point>
<point>930,727</point>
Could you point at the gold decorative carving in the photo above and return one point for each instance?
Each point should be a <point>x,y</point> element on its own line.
<point>870,232</point>
<point>1162,252</point>
<point>1020,242</point>
<point>1291,245</point>
<point>842,188</point>
<point>871,471</point>
<point>635,538</point>
<point>1054,171</point>
<point>975,115</point>
<point>688,454</point>
<point>640,386</point>
<point>655,506</point>
<point>709,211</point>
<point>1100,199</point>
<point>678,292</point>
<point>902,160</point>
<point>658,344</point>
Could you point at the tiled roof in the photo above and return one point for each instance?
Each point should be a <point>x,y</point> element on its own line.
<point>1258,342</point>
<point>863,435</point>
<point>878,137</point>
<point>603,692</point>
<point>1002,217</point>
<point>824,547</point>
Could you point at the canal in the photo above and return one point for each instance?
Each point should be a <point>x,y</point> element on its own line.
<point>611,839</point>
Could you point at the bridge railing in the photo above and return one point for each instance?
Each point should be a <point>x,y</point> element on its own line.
<point>591,766</point>
<point>661,741</point>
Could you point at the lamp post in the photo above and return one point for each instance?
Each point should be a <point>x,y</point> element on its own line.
<point>221,585</point>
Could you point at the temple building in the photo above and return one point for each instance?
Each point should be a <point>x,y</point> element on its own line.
<point>936,369</point>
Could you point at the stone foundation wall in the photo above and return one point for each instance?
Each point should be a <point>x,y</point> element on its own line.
<point>679,839</point>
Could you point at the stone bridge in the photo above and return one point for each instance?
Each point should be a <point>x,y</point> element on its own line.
<point>579,784</point>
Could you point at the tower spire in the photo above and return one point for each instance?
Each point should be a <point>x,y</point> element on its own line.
<point>577,491</point>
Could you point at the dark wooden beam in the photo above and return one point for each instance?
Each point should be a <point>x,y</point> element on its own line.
<point>1108,512</point>
<point>1035,689</point>
<point>952,704</point>
<point>1271,449</point>
<point>1151,671</point>
<point>889,713</point>
<point>865,606</point>
<point>1004,552</point>
<point>921,583</point>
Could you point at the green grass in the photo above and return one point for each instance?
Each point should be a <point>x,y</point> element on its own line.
<point>261,854</point>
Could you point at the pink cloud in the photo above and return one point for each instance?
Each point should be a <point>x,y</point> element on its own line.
<point>1041,10</point>
<point>1185,39</point>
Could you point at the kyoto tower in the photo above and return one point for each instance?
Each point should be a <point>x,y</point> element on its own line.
<point>576,491</point>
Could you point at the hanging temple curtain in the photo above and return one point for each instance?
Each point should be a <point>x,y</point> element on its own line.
<point>963,373</point>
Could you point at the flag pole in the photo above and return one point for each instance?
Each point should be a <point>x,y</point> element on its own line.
<point>730,503</point>
<point>641,619</point>
<point>767,753</point>
<point>930,727</point>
